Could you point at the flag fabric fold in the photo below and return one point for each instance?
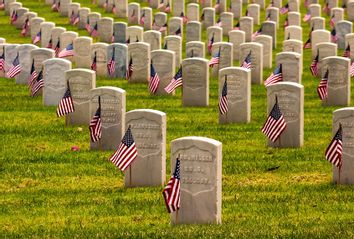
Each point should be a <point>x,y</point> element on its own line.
<point>96,124</point>
<point>171,193</point>
<point>223,103</point>
<point>175,82</point>
<point>334,150</point>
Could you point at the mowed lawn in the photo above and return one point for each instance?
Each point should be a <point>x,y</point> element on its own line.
<point>49,191</point>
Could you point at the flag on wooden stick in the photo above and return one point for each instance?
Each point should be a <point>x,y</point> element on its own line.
<point>223,104</point>
<point>66,104</point>
<point>95,124</point>
<point>334,150</point>
<point>15,69</point>
<point>322,88</point>
<point>154,80</point>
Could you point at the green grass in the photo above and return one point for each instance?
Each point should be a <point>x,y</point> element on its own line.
<point>49,191</point>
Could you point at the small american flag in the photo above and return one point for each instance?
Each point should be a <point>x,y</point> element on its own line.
<point>314,65</point>
<point>14,17</point>
<point>94,31</point>
<point>184,18</point>
<point>132,17</point>
<point>105,5</point>
<point>334,150</point>
<point>306,3</point>
<point>88,25</point>
<point>94,63</point>
<point>178,32</point>
<point>286,22</point>
<point>37,84</point>
<point>210,43</point>
<point>76,19</point>
<point>72,17</point>
<point>322,88</point>
<point>154,80</point>
<point>114,9</point>
<point>57,48</point>
<point>332,21</point>
<point>307,17</point>
<point>56,6</point>
<point>129,71</point>
<point>2,60</point>
<point>202,17</point>
<point>346,53</point>
<point>126,152</point>
<point>275,77</point>
<point>215,59</point>
<point>171,193</point>
<point>167,8</point>
<point>68,51</point>
<point>334,37</point>
<point>163,28</point>
<point>37,38</point>
<point>237,26</point>
<point>66,104</point>
<point>175,82</point>
<point>50,44</point>
<point>307,45</point>
<point>111,65</point>
<point>142,19</point>
<point>247,63</point>
<point>96,124</point>
<point>275,124</point>
<point>218,23</point>
<point>223,104</point>
<point>33,75</point>
<point>161,4</point>
<point>25,27</point>
<point>258,32</point>
<point>217,5</point>
<point>284,9</point>
<point>2,5</point>
<point>352,69</point>
<point>326,8</point>
<point>15,69</point>
<point>267,18</point>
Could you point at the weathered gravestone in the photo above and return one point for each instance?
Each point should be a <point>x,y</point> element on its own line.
<point>105,29</point>
<point>67,38</point>
<point>315,10</point>
<point>54,80</point>
<point>350,10</point>
<point>133,13</point>
<point>80,81</point>
<point>246,25</point>
<point>82,52</point>
<point>266,41</point>
<point>46,33</point>
<point>160,19</point>
<point>64,7</point>
<point>94,17</point>
<point>164,65</point>
<point>134,34</point>
<point>236,38</point>
<point>290,97</point>
<point>349,40</point>
<point>195,49</point>
<point>146,14</point>
<point>317,23</point>
<point>178,8</point>
<point>121,59</point>
<point>112,101</point>
<point>343,28</point>
<point>201,176</point>
<point>319,36</point>
<point>29,16</point>
<point>214,33</point>
<point>291,66</point>
<point>338,83</point>
<point>227,22</point>
<point>293,32</point>
<point>269,28</point>
<point>7,4</point>
<point>38,56</point>
<point>225,57</point>
<point>236,8</point>
<point>174,43</point>
<point>256,50</point>
<point>195,82</point>
<point>193,31</point>
<point>175,26</point>
<point>119,32</point>
<point>2,40</point>
<point>326,49</point>
<point>337,13</point>
<point>122,8</point>
<point>2,50</point>
<point>294,19</point>
<point>272,14</point>
<point>139,53</point>
<point>208,17</point>
<point>35,26</point>
<point>10,55</point>
<point>253,11</point>
<point>238,94</point>
<point>153,38</point>
<point>149,131</point>
<point>99,50</point>
<point>193,12</point>
<point>293,46</point>
<point>25,62</point>
<point>83,13</point>
<point>21,17</point>
<point>345,118</point>
<point>294,6</point>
